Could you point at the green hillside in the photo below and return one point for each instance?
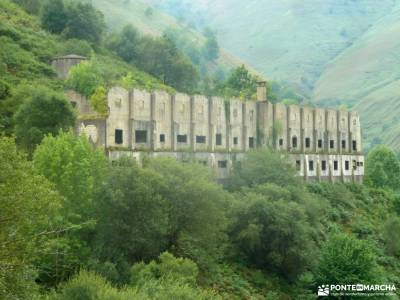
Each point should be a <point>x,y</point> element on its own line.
<point>366,76</point>
<point>150,20</point>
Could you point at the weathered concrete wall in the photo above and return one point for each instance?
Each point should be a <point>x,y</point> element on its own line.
<point>294,128</point>
<point>343,122</point>
<point>162,120</point>
<point>142,125</point>
<point>308,129</point>
<point>182,122</point>
<point>249,125</point>
<point>355,137</point>
<point>332,130</point>
<point>200,119</point>
<point>217,133</point>
<point>118,118</point>
<point>321,140</point>
<point>218,128</point>
<point>280,126</point>
<point>63,64</point>
<point>235,139</point>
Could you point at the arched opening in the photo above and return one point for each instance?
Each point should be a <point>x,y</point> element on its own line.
<point>294,142</point>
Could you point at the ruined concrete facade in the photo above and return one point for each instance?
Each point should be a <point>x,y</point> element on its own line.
<point>323,144</point>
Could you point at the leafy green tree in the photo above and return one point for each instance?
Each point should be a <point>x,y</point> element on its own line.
<point>345,259</point>
<point>28,209</point>
<point>98,100</point>
<point>85,78</point>
<point>53,16</point>
<point>132,215</point>
<point>272,233</point>
<point>197,221</point>
<point>125,44</point>
<point>161,58</point>
<point>382,168</point>
<point>391,233</point>
<point>84,22</point>
<point>76,46</point>
<point>211,47</point>
<point>263,166</point>
<point>42,112</point>
<point>76,169</point>
<point>4,90</point>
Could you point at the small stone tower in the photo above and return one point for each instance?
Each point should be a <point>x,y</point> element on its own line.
<point>63,64</point>
<point>262,91</point>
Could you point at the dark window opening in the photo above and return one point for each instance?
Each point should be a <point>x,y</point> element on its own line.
<point>331,144</point>
<point>308,142</point>
<point>235,140</point>
<point>162,138</point>
<point>218,139</point>
<point>354,145</point>
<point>311,165</point>
<point>343,144</point>
<point>298,165</point>
<point>251,142</point>
<point>294,142</point>
<point>361,164</point>
<point>222,164</point>
<point>320,144</point>
<point>181,138</point>
<point>323,165</point>
<point>200,139</point>
<point>346,165</point>
<point>141,136</point>
<point>354,165</point>
<point>335,165</point>
<point>73,103</point>
<point>280,142</point>
<point>118,136</point>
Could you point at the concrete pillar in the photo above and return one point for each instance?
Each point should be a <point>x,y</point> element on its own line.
<point>262,91</point>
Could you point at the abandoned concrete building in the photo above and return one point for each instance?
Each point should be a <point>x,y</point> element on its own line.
<point>323,144</point>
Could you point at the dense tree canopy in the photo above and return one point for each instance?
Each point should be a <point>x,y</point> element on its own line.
<point>42,112</point>
<point>29,206</point>
<point>383,168</point>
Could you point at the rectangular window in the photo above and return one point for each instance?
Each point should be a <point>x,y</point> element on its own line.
<point>200,139</point>
<point>346,165</point>
<point>251,142</point>
<point>181,138</point>
<point>311,165</point>
<point>162,138</point>
<point>222,164</point>
<point>118,136</point>
<point>319,144</point>
<point>235,140</point>
<point>343,144</point>
<point>354,145</point>
<point>354,165</point>
<point>308,142</point>
<point>361,164</point>
<point>323,165</point>
<point>218,139</point>
<point>298,165</point>
<point>280,142</point>
<point>335,165</point>
<point>331,144</point>
<point>141,136</point>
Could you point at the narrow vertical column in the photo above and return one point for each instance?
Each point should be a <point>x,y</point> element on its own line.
<point>192,125</point>
<point>173,133</point>
<point>211,129</point>
<point>130,121</point>
<point>288,133</point>
<point>338,137</point>
<point>302,130</point>
<point>153,122</point>
<point>314,131</point>
<point>244,134</point>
